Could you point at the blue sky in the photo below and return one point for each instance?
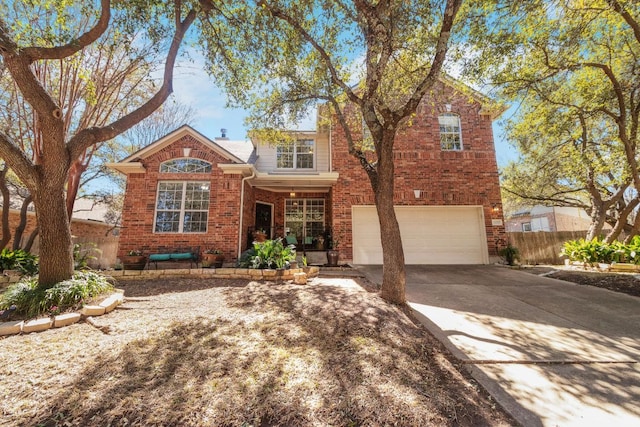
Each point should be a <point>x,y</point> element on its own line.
<point>194,87</point>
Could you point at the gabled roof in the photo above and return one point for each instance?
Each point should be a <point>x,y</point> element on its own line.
<point>244,150</point>
<point>183,130</point>
<point>238,152</point>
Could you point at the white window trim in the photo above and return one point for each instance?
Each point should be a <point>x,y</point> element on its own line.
<point>182,209</point>
<point>295,156</point>
<point>304,213</point>
<point>451,133</point>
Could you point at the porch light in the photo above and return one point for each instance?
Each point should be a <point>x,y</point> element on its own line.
<point>292,194</point>
<point>417,193</point>
<point>495,207</point>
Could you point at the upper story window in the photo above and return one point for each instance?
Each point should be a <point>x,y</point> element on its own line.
<point>187,165</point>
<point>298,155</point>
<point>450,135</point>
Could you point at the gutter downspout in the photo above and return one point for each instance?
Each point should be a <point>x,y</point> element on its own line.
<point>241,226</point>
<point>330,147</point>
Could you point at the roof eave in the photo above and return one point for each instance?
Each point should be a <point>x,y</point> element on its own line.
<point>127,168</point>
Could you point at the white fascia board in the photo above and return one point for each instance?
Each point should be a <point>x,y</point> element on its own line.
<point>236,169</point>
<point>127,168</point>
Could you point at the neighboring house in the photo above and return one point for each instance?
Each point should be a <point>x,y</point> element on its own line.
<point>188,190</point>
<point>87,225</point>
<point>548,218</point>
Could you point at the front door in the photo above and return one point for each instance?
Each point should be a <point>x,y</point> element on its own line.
<point>264,213</point>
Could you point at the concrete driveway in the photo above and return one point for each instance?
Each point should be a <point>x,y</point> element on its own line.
<point>551,352</point>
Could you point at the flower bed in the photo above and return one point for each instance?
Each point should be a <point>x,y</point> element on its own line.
<point>61,320</point>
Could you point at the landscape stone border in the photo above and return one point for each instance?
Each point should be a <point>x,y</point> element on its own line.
<point>616,267</point>
<point>61,320</point>
<point>217,273</point>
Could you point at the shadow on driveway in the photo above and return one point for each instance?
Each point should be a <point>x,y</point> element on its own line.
<point>564,352</point>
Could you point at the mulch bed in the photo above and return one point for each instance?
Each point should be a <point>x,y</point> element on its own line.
<point>203,352</point>
<point>618,282</point>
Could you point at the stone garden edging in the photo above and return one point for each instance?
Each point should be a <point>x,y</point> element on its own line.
<point>43,323</point>
<point>217,273</point>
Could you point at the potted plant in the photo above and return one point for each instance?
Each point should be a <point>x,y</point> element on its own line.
<point>212,257</point>
<point>259,235</point>
<point>134,260</point>
<point>332,254</point>
<point>510,254</point>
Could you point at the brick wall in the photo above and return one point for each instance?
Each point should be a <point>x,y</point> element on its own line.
<point>140,200</point>
<point>467,177</point>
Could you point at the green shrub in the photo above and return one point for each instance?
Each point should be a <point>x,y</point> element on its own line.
<point>70,294</point>
<point>270,254</point>
<point>83,253</point>
<point>631,251</point>
<point>246,258</point>
<point>597,251</point>
<point>510,254</point>
<point>20,260</point>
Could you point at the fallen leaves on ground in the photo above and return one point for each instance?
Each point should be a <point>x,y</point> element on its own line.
<point>201,352</point>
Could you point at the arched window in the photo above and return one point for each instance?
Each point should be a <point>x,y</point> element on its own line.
<point>186,165</point>
<point>450,134</point>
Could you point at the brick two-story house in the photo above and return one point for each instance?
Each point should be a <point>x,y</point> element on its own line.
<point>188,190</point>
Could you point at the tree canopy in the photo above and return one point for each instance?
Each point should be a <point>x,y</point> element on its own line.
<point>39,40</point>
<point>573,69</point>
<point>370,62</point>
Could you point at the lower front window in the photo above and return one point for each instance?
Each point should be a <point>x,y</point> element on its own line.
<point>182,207</point>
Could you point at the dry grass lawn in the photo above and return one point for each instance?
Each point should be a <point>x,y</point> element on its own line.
<point>200,352</point>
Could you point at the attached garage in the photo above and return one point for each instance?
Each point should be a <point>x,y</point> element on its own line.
<point>430,235</point>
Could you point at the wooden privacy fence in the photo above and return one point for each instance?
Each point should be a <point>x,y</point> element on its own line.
<point>542,247</point>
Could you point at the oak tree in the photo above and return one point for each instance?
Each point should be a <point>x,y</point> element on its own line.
<point>370,60</point>
<point>33,34</point>
<point>573,68</point>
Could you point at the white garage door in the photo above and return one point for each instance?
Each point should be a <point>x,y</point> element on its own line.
<point>430,235</point>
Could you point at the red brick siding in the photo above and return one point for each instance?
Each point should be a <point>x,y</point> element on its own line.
<point>140,199</point>
<point>467,177</point>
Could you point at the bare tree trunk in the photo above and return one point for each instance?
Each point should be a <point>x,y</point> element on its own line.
<point>73,184</point>
<point>55,233</point>
<point>621,223</point>
<point>635,229</point>
<point>393,272</point>
<point>6,230</point>
<point>23,222</point>
<point>31,239</point>
<point>598,215</point>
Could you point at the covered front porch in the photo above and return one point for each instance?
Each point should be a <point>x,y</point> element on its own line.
<point>296,208</point>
